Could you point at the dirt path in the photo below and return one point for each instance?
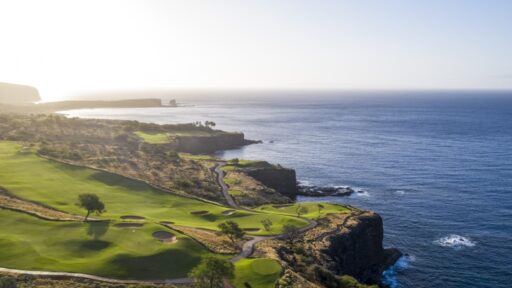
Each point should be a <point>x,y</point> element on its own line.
<point>225,189</point>
<point>60,275</point>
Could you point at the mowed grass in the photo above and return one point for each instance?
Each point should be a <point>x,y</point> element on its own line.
<point>153,138</point>
<point>97,248</point>
<point>58,185</point>
<point>312,207</point>
<point>259,273</point>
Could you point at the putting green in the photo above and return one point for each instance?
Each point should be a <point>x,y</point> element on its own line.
<point>97,248</point>
<point>58,185</point>
<point>154,138</point>
<point>259,272</point>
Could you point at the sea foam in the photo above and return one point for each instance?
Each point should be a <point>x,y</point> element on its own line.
<point>389,276</point>
<point>455,241</point>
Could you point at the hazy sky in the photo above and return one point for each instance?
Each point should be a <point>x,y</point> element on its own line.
<point>66,47</point>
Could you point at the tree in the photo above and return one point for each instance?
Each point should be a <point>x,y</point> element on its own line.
<point>92,203</point>
<point>291,235</point>
<point>301,210</point>
<point>211,272</point>
<point>267,223</point>
<point>320,207</point>
<point>231,230</point>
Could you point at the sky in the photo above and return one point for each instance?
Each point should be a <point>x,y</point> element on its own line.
<point>65,48</point>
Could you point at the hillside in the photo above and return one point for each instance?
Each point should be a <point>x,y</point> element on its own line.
<point>14,94</point>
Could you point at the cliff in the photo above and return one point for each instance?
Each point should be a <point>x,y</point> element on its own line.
<point>210,143</point>
<point>341,244</point>
<point>351,244</point>
<point>13,94</point>
<point>89,104</point>
<point>282,180</point>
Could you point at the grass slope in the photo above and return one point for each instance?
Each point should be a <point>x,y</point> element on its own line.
<point>97,248</point>
<point>153,138</point>
<point>259,273</point>
<point>312,208</point>
<point>58,185</point>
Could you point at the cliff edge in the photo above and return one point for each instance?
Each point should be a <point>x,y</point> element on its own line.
<point>341,245</point>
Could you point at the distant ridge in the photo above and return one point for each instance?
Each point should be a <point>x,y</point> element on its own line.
<point>15,94</point>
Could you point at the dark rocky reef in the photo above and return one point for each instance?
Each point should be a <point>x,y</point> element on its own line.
<point>322,191</point>
<point>282,180</point>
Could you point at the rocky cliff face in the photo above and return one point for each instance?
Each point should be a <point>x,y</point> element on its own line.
<point>209,144</point>
<point>355,248</point>
<point>283,180</point>
<point>346,244</point>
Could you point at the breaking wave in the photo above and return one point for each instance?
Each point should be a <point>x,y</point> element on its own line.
<point>455,241</point>
<point>389,276</point>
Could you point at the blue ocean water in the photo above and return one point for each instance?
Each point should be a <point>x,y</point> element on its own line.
<point>439,172</point>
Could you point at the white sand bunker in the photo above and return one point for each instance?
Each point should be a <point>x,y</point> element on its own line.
<point>165,237</point>
<point>228,212</point>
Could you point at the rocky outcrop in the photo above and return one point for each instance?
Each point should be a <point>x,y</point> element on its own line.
<point>345,244</point>
<point>210,143</point>
<point>282,180</point>
<point>355,248</point>
<point>91,104</point>
<point>324,191</point>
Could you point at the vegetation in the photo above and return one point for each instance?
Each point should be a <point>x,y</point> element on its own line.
<point>291,235</point>
<point>212,271</point>
<point>153,138</point>
<point>267,224</point>
<point>313,210</point>
<point>7,282</point>
<point>91,203</point>
<point>257,273</point>
<point>233,231</point>
<point>98,248</point>
<point>58,185</point>
<point>301,210</point>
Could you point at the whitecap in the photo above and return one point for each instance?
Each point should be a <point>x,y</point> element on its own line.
<point>362,193</point>
<point>455,241</point>
<point>400,192</point>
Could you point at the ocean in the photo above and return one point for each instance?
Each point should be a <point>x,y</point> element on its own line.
<point>436,166</point>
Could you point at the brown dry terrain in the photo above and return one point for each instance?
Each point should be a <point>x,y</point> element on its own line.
<point>210,239</point>
<point>9,202</point>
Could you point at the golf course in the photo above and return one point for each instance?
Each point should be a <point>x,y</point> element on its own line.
<point>128,240</point>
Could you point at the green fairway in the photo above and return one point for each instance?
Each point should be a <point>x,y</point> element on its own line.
<point>259,273</point>
<point>153,138</point>
<point>97,248</point>
<point>312,207</point>
<point>58,185</point>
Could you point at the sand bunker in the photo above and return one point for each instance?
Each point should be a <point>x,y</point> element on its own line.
<point>201,212</point>
<point>165,237</point>
<point>228,212</point>
<point>129,225</point>
<point>132,217</point>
